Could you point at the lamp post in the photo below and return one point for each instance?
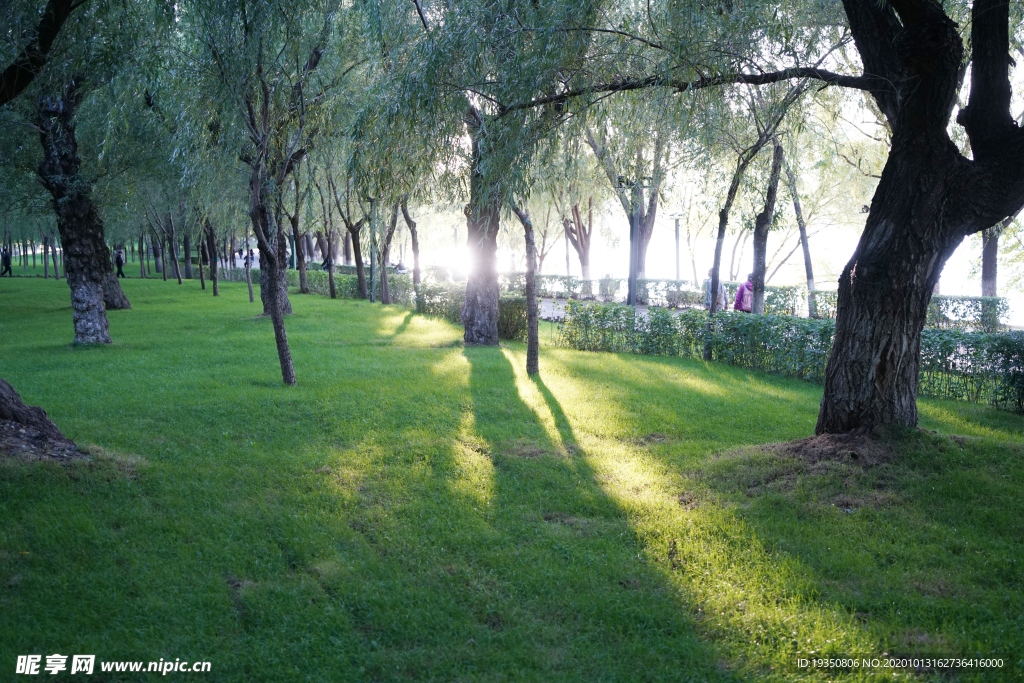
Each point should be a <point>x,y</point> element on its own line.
<point>636,200</point>
<point>676,217</point>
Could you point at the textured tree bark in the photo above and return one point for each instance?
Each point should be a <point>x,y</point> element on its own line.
<point>483,213</point>
<point>762,224</point>
<point>532,317</point>
<point>271,258</point>
<point>81,229</point>
<point>928,199</point>
<point>480,312</point>
<point>12,408</point>
<point>347,249</point>
<point>279,280</point>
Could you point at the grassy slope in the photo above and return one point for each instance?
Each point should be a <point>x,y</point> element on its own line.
<point>417,510</point>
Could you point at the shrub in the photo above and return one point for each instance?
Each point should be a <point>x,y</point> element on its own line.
<point>971,366</point>
<point>968,313</point>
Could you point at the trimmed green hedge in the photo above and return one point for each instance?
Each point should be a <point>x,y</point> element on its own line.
<point>445,300</point>
<point>439,299</point>
<point>968,313</point>
<point>981,367</point>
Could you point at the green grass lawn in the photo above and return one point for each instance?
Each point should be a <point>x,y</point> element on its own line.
<point>416,510</point>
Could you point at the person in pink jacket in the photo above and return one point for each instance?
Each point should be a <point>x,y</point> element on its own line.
<point>745,296</point>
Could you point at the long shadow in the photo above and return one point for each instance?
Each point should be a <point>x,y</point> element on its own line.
<point>884,549</point>
<point>593,609</point>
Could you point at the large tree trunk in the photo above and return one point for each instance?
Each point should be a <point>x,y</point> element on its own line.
<point>928,198</point>
<point>14,410</point>
<point>762,224</point>
<point>78,220</point>
<point>79,223</point>
<point>483,215</point>
<point>480,312</point>
<point>990,257</point>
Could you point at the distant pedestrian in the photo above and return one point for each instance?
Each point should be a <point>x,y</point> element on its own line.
<point>745,296</point>
<point>401,269</point>
<point>119,262</point>
<point>719,299</point>
<point>5,260</point>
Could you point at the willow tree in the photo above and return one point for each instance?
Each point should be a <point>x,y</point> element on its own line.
<point>930,194</point>
<point>266,70</point>
<point>455,69</point>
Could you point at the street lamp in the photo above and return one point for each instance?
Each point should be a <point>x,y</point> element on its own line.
<point>636,200</point>
<point>676,216</point>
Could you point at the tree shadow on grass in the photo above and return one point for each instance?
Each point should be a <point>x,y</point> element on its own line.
<point>569,558</point>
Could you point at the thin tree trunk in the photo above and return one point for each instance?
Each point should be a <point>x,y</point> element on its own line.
<point>330,264</point>
<point>46,257</point>
<point>385,253</point>
<point>202,262</point>
<point>53,256</point>
<point>163,252</point>
<point>812,299</point>
<point>762,224</point>
<point>270,261</point>
<point>532,317</point>
<point>142,257</point>
<point>723,222</point>
<point>415,243</point>
<point>248,266</point>
<point>187,245</point>
<point>211,248</point>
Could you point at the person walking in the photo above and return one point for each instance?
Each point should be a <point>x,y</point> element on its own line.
<point>5,262</point>
<point>745,296</point>
<point>119,262</point>
<point>719,299</point>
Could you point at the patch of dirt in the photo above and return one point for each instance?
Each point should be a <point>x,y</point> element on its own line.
<point>631,583</point>
<point>860,449</point>
<point>578,523</point>
<point>29,445</point>
<point>526,449</point>
<point>687,501</point>
<point>875,499</point>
